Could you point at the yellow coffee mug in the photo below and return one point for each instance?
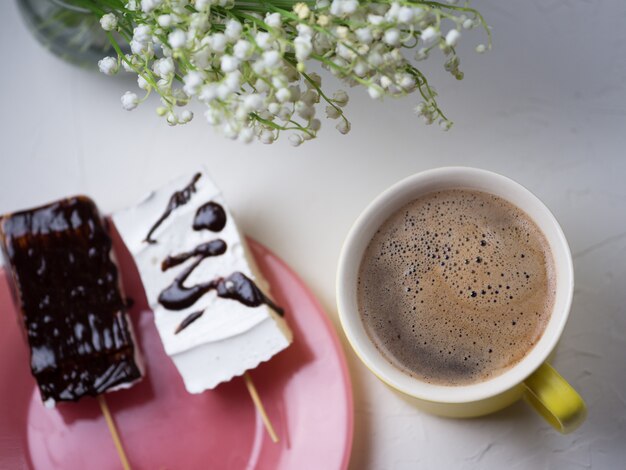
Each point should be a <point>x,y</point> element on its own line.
<point>532,378</point>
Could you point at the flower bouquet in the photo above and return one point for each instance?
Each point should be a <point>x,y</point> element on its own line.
<point>249,61</point>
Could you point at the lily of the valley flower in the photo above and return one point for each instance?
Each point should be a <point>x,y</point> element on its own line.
<point>251,69</point>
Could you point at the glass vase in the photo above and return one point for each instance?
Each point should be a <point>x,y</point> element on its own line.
<point>69,31</point>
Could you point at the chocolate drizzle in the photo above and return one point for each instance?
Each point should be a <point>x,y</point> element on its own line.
<point>188,320</point>
<point>210,216</point>
<point>237,287</point>
<point>205,250</point>
<point>179,198</point>
<point>241,288</point>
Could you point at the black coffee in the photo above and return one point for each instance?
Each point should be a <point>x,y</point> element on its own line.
<point>456,287</point>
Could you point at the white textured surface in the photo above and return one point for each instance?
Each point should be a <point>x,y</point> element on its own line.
<point>230,337</point>
<point>546,107</point>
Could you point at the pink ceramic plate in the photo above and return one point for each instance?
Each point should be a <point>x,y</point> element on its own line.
<point>306,390</point>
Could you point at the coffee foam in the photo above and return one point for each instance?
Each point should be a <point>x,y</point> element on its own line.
<point>456,287</point>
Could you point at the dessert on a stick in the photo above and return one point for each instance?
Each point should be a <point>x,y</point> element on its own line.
<point>66,288</point>
<point>211,305</point>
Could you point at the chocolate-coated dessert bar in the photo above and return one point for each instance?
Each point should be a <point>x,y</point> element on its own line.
<point>66,287</point>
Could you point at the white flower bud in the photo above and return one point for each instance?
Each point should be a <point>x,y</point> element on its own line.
<point>267,136</point>
<point>349,6</point>
<point>164,68</point>
<point>305,111</point>
<point>177,39</point>
<point>429,34</point>
<point>375,20</point>
<point>364,35</point>
<point>218,42</point>
<point>137,48</point>
<point>392,14</point>
<point>283,95</point>
<point>126,66</point>
<point>323,20</point>
<point>375,59</point>
<point>295,140</point>
<point>165,21</point>
<point>343,126</point>
<point>304,30</point>
<point>481,48</point>
<point>263,40</point>
<point>142,34</point>
<point>233,30</point>
<point>406,15</point>
<point>332,112</point>
<point>407,82</point>
<point>392,36</point>
<point>242,49</point>
<point>315,125</point>
<point>342,32</point>
<point>108,66</point>
<point>273,108</point>
<point>303,48</point>
<point>375,92</point>
<point>273,20</point>
<point>468,24</point>
<point>261,86</point>
<point>142,83</point>
<point>171,119</point>
<point>228,63</point>
<point>186,116</point>
<point>271,58</point>
<point>302,10</point>
<point>129,101</point>
<point>452,38</point>
<point>360,68</point>
<point>310,97</point>
<point>341,98</point>
<point>385,82</point>
<point>108,22</point>
<point>148,5</point>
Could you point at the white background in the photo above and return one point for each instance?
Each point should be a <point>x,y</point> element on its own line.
<point>546,107</point>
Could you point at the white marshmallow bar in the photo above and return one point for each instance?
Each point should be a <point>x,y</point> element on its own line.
<point>230,337</point>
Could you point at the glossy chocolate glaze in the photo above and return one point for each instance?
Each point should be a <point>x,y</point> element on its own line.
<point>210,216</point>
<point>179,198</point>
<point>188,320</point>
<point>66,286</point>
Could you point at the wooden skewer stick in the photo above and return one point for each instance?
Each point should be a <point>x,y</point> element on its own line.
<point>114,434</point>
<point>259,406</point>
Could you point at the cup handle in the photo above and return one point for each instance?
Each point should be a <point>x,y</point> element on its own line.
<point>554,399</point>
